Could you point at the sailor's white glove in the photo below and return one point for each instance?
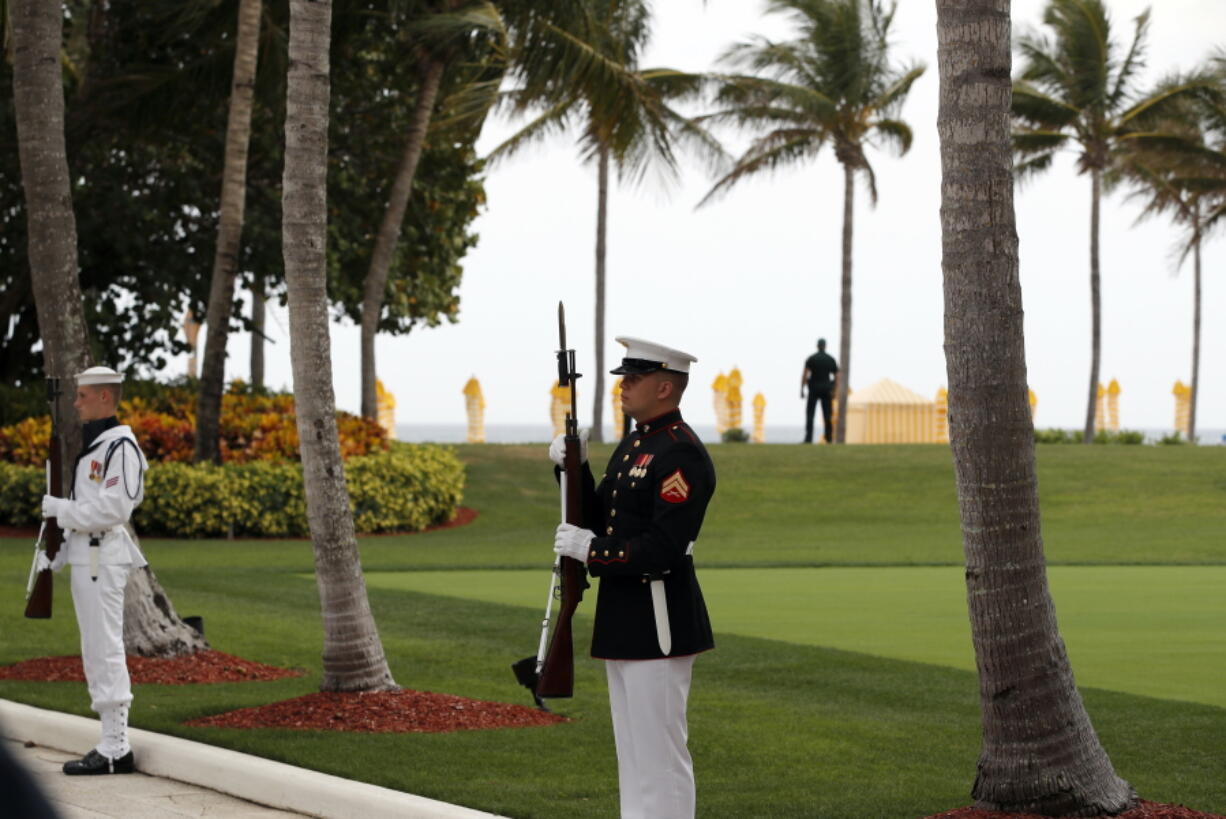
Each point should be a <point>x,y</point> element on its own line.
<point>557,450</point>
<point>51,506</point>
<point>42,563</point>
<point>571,541</point>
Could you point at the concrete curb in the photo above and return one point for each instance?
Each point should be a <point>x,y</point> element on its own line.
<point>248,777</point>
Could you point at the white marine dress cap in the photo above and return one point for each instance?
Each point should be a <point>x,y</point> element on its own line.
<point>99,375</point>
<point>648,357</point>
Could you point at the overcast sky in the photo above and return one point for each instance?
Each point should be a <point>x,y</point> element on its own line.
<point>753,280</point>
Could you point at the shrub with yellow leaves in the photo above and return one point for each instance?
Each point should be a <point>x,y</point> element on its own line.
<point>254,427</point>
<point>405,489</point>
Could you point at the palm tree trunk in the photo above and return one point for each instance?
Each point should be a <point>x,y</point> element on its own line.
<point>602,226</point>
<point>38,102</point>
<point>1040,753</point>
<point>259,315</point>
<point>389,232</point>
<point>353,658</point>
<point>1195,325</point>
<point>229,233</point>
<point>38,98</point>
<point>1096,304</point>
<point>849,194</point>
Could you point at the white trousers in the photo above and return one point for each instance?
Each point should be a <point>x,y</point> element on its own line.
<point>654,770</point>
<point>99,607</point>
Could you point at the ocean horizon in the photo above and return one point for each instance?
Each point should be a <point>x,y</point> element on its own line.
<point>775,434</point>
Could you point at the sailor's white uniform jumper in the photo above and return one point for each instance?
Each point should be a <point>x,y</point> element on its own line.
<point>108,484</point>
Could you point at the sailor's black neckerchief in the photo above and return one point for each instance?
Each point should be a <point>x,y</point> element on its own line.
<point>90,431</point>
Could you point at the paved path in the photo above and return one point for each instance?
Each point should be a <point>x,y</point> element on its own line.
<point>131,796</point>
<point>194,779</point>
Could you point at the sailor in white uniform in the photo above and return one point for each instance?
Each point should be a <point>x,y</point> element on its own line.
<point>108,483</point>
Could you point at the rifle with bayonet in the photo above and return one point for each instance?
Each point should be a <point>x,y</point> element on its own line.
<point>551,673</point>
<point>50,538</point>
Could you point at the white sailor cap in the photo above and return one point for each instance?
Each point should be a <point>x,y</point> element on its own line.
<point>647,357</point>
<point>99,375</point>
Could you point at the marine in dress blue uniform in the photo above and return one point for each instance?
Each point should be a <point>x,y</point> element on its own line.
<point>651,620</point>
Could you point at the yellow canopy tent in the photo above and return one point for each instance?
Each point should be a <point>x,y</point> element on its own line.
<point>889,413</point>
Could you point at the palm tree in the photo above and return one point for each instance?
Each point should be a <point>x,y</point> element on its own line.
<point>229,232</point>
<point>38,100</point>
<point>451,31</point>
<point>353,658</point>
<point>1077,89</point>
<point>585,70</point>
<point>259,315</point>
<point>151,627</point>
<point>833,84</point>
<point>1182,172</point>
<point>1040,753</point>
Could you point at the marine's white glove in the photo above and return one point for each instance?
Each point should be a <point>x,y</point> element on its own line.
<point>41,563</point>
<point>51,506</point>
<point>571,541</point>
<point>557,450</point>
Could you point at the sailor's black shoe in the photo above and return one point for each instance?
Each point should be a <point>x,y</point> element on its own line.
<point>95,763</point>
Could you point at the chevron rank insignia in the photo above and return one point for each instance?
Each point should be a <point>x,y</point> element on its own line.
<point>674,489</point>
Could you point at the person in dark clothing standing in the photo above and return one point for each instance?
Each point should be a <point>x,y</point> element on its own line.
<point>821,377</point>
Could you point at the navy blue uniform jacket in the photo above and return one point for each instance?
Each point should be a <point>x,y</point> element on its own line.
<point>646,512</point>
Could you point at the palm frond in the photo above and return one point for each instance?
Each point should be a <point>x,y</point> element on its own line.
<point>1214,218</point>
<point>762,94</point>
<point>453,31</point>
<point>553,120</point>
<point>689,132</point>
<point>1169,101</point>
<point>1041,65</point>
<point>1036,108</point>
<point>1132,64</point>
<point>898,90</point>
<point>774,150</point>
<point>467,106</point>
<point>1031,143</point>
<point>1084,34</point>
<point>871,179</point>
<point>1030,168</point>
<point>785,62</point>
<point>577,68</point>
<point>895,132</point>
<point>675,86</point>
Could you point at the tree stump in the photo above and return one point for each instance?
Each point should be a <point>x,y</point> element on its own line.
<point>151,626</point>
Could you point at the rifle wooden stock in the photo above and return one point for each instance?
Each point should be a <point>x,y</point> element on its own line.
<point>558,672</point>
<point>38,606</point>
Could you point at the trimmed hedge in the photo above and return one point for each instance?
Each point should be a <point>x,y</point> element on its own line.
<point>409,488</point>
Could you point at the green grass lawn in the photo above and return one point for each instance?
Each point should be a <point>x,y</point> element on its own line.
<point>1174,616</point>
<point>839,687</point>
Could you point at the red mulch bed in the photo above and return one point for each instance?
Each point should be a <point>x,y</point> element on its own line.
<point>463,517</point>
<point>382,712</point>
<point>1146,810</point>
<point>202,667</point>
